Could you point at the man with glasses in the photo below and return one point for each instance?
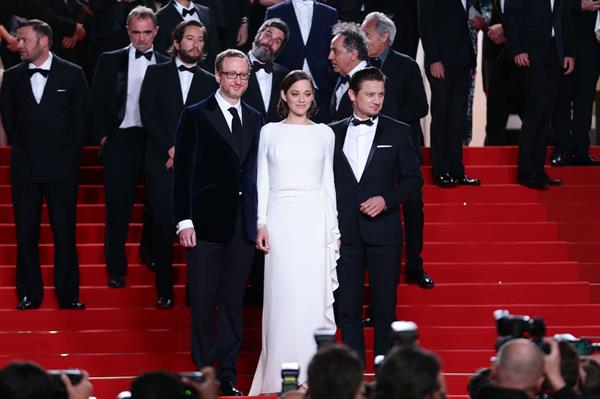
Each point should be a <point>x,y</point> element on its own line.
<point>214,198</point>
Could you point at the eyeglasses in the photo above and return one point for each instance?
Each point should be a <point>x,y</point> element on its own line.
<point>235,75</point>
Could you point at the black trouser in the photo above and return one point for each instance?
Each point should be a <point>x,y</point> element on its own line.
<point>217,276</point>
<point>540,88</point>
<point>576,94</point>
<point>61,199</point>
<point>449,98</point>
<point>383,265</point>
<point>122,155</point>
<point>414,217</point>
<point>158,199</point>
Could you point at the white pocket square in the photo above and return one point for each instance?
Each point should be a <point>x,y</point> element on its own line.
<point>384,146</point>
<point>61,90</point>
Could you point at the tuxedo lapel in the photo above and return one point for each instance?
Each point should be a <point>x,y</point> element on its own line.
<point>275,88</point>
<point>122,74</point>
<point>175,84</point>
<point>293,25</point>
<point>376,141</point>
<point>314,23</point>
<point>27,83</point>
<point>343,163</point>
<point>249,131</point>
<point>254,89</point>
<point>217,120</point>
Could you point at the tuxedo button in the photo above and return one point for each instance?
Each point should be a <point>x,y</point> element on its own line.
<point>359,189</point>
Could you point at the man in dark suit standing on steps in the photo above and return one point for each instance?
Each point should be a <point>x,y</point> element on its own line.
<point>376,168</point>
<point>264,84</point>
<point>176,11</point>
<point>119,130</point>
<point>539,34</point>
<point>214,197</point>
<point>166,89</point>
<point>44,102</point>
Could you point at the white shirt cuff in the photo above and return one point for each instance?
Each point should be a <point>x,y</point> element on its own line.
<point>184,224</point>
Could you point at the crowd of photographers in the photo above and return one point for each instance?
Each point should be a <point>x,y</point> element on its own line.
<point>527,365</point>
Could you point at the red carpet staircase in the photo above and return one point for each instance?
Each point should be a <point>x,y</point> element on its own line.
<point>498,245</point>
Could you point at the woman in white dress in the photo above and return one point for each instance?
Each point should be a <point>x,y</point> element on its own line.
<point>298,230</point>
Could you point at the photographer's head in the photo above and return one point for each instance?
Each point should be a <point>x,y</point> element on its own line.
<point>569,364</point>
<point>519,365</point>
<point>157,385</point>
<point>25,380</point>
<point>335,372</point>
<point>590,384</point>
<point>481,378</point>
<point>410,373</point>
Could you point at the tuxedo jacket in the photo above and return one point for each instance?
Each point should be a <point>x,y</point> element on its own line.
<point>253,96</point>
<point>316,49</point>
<point>445,33</point>
<point>46,138</point>
<point>161,103</point>
<point>209,174</point>
<point>491,50</point>
<point>169,17</point>
<point>528,27</point>
<point>109,90</point>
<point>390,107</point>
<point>392,171</point>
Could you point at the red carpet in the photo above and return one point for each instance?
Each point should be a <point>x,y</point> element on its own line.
<point>498,245</point>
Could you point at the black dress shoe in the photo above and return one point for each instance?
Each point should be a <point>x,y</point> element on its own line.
<point>444,180</point>
<point>531,181</point>
<point>165,302</point>
<point>422,280</point>
<point>147,260</point>
<point>227,389</point>
<point>548,181</point>
<point>116,282</point>
<point>558,158</point>
<point>73,305</point>
<point>465,180</point>
<point>585,160</point>
<point>25,304</point>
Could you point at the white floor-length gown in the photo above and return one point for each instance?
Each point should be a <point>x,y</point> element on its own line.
<point>296,202</point>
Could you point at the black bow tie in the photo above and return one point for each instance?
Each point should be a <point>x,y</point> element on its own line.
<point>183,68</point>
<point>147,54</point>
<point>44,72</point>
<point>356,122</point>
<point>375,62</point>
<point>188,12</point>
<point>344,79</point>
<point>267,66</point>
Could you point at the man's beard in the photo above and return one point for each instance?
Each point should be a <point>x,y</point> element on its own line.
<point>188,58</point>
<point>262,54</point>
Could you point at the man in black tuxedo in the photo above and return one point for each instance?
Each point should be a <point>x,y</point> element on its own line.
<point>44,102</point>
<point>264,84</point>
<point>214,197</point>
<point>376,168</point>
<point>310,24</point>
<point>449,65</point>
<point>176,11</point>
<point>539,34</point>
<point>411,102</point>
<point>572,117</point>
<point>166,89</point>
<point>348,54</point>
<point>119,130</point>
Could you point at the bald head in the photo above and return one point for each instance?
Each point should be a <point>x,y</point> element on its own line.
<point>520,365</point>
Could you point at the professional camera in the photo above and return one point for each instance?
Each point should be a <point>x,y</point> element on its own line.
<point>289,377</point>
<point>405,333</point>
<point>324,336</point>
<point>511,326</point>
<point>74,375</point>
<point>584,345</point>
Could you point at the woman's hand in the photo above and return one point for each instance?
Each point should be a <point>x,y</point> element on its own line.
<point>262,239</point>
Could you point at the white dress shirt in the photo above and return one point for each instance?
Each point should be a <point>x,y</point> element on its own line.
<point>185,80</point>
<point>502,5</point>
<point>304,14</point>
<point>224,106</point>
<point>187,17</point>
<point>464,4</point>
<point>357,146</point>
<point>597,27</point>
<point>343,88</point>
<point>135,77</point>
<point>38,81</point>
<point>265,82</point>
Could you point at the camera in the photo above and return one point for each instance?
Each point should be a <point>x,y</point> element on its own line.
<point>405,333</point>
<point>74,375</point>
<point>584,345</point>
<point>511,326</point>
<point>324,336</point>
<point>195,376</point>
<point>289,377</point>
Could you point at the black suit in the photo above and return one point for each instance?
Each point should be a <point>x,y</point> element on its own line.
<point>122,153</point>
<point>445,37</point>
<point>392,171</point>
<point>161,103</point>
<point>46,139</point>
<point>253,96</point>
<point>214,185</point>
<point>528,26</point>
<point>578,89</point>
<point>404,15</point>
<point>169,17</point>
